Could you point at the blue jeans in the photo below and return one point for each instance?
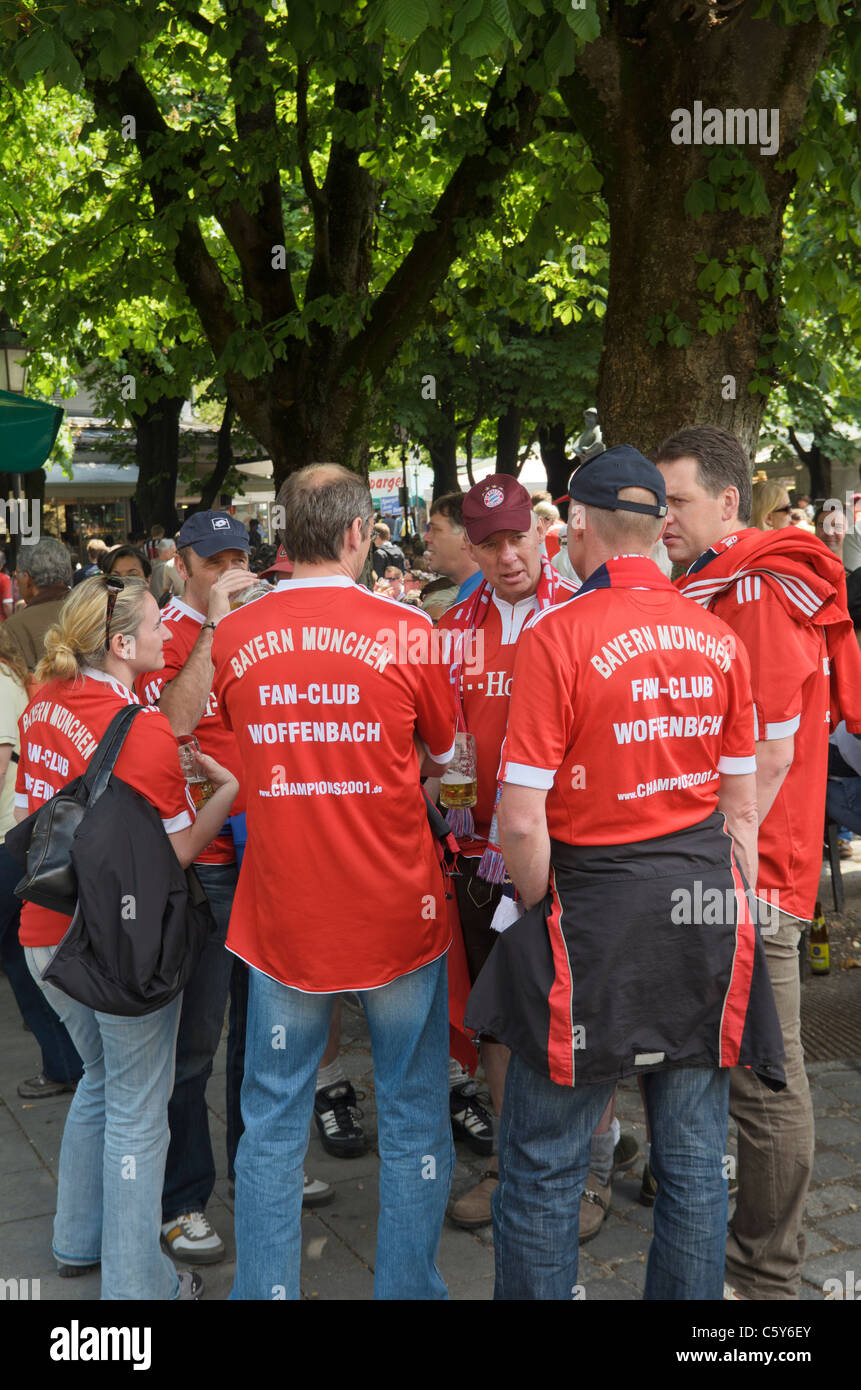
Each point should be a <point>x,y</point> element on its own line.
<point>286,1037</point>
<point>190,1173</point>
<point>60,1061</point>
<point>544,1142</point>
<point>843,804</point>
<point>114,1144</point>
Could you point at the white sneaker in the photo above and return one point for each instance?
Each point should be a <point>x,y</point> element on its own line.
<point>191,1238</point>
<point>316,1193</point>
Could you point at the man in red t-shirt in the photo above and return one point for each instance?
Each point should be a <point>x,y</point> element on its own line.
<point>784,595</point>
<point>630,731</point>
<point>213,561</point>
<point>335,724</point>
<point>505,540</point>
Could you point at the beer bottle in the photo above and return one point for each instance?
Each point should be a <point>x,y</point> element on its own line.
<point>820,954</point>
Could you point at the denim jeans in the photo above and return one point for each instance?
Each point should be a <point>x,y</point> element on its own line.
<point>843,803</point>
<point>190,1173</point>
<point>286,1037</point>
<point>114,1144</point>
<point>545,1137</point>
<point>60,1060</point>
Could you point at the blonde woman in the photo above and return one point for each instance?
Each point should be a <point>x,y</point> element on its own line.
<point>115,1141</point>
<point>772,509</point>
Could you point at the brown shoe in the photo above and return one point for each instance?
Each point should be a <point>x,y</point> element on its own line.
<point>473,1208</point>
<point>594,1205</point>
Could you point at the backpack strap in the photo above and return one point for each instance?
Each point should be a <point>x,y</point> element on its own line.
<point>99,772</point>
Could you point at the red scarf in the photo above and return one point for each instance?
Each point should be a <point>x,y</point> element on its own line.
<point>810,583</point>
<point>469,616</point>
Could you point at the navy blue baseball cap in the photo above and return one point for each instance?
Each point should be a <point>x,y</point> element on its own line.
<point>598,481</point>
<point>209,532</point>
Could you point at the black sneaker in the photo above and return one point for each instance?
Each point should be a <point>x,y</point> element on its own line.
<point>469,1119</point>
<point>335,1112</point>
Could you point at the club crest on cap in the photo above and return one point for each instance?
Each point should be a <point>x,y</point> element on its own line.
<point>220,523</point>
<point>493,497</point>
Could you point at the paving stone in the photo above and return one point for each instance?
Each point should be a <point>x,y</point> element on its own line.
<point>817,1244</point>
<point>329,1269</point>
<point>27,1194</point>
<point>825,1200</point>
<point>835,1266</point>
<point>612,1289</point>
<point>838,1130</point>
<point>17,1155</point>
<point>846,1229</point>
<point>617,1240</point>
<point>828,1165</point>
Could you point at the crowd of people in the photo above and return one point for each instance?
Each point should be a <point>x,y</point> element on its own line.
<point>610,747</point>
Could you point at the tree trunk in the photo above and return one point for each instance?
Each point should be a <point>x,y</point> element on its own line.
<point>508,441</point>
<point>551,442</point>
<point>818,467</point>
<point>656,59</point>
<point>157,458</point>
<point>211,485</point>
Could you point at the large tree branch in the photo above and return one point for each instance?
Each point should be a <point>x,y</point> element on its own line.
<point>197,269</point>
<point>468,196</point>
<point>254,223</point>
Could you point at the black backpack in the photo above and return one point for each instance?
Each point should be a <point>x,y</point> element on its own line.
<point>99,850</point>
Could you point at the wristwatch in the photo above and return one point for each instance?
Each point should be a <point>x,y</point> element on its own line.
<point>204,626</point>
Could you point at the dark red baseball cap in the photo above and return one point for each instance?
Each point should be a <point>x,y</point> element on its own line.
<point>282,566</point>
<point>498,503</point>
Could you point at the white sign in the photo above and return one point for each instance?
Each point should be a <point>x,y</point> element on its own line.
<point>385,483</point>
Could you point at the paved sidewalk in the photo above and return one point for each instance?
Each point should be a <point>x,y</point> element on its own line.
<point>339,1240</point>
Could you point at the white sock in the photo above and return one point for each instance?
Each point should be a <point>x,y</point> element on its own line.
<point>331,1075</point>
<point>616,1130</point>
<point>456,1073</point>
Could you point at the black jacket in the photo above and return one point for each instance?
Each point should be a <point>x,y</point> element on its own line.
<point>141,921</point>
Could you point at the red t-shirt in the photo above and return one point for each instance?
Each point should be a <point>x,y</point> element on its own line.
<point>628,703</point>
<point>60,731</point>
<point>485,690</point>
<point>789,675</point>
<point>340,887</point>
<point>5,593</point>
<point>215,739</point>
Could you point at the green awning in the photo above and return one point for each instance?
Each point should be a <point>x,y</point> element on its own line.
<point>28,429</point>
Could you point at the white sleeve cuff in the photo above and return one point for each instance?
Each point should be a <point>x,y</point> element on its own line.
<point>736,766</point>
<point>176,823</point>
<point>784,730</point>
<point>22,800</point>
<point>522,775</point>
<point>439,757</point>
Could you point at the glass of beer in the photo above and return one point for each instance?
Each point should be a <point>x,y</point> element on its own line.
<point>200,789</point>
<point>459,785</point>
<point>258,589</point>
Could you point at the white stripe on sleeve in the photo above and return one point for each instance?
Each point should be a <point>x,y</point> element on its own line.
<point>784,730</point>
<point>736,766</point>
<point>522,775</point>
<point>176,823</point>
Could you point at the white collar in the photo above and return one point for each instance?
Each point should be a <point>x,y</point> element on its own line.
<point>92,674</point>
<point>503,605</point>
<point>187,610</point>
<point>326,581</point>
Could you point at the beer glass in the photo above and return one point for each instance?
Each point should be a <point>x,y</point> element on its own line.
<point>199,786</point>
<point>459,785</point>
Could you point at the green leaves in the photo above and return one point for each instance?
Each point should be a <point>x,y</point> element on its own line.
<point>406,19</point>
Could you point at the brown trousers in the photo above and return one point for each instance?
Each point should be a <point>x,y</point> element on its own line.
<point>765,1248</point>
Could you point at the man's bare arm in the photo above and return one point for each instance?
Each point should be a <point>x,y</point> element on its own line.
<point>737,801</point>
<point>184,698</point>
<point>524,840</point>
<point>773,761</point>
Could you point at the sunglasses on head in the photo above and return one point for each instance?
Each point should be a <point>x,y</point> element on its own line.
<point>114,585</point>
